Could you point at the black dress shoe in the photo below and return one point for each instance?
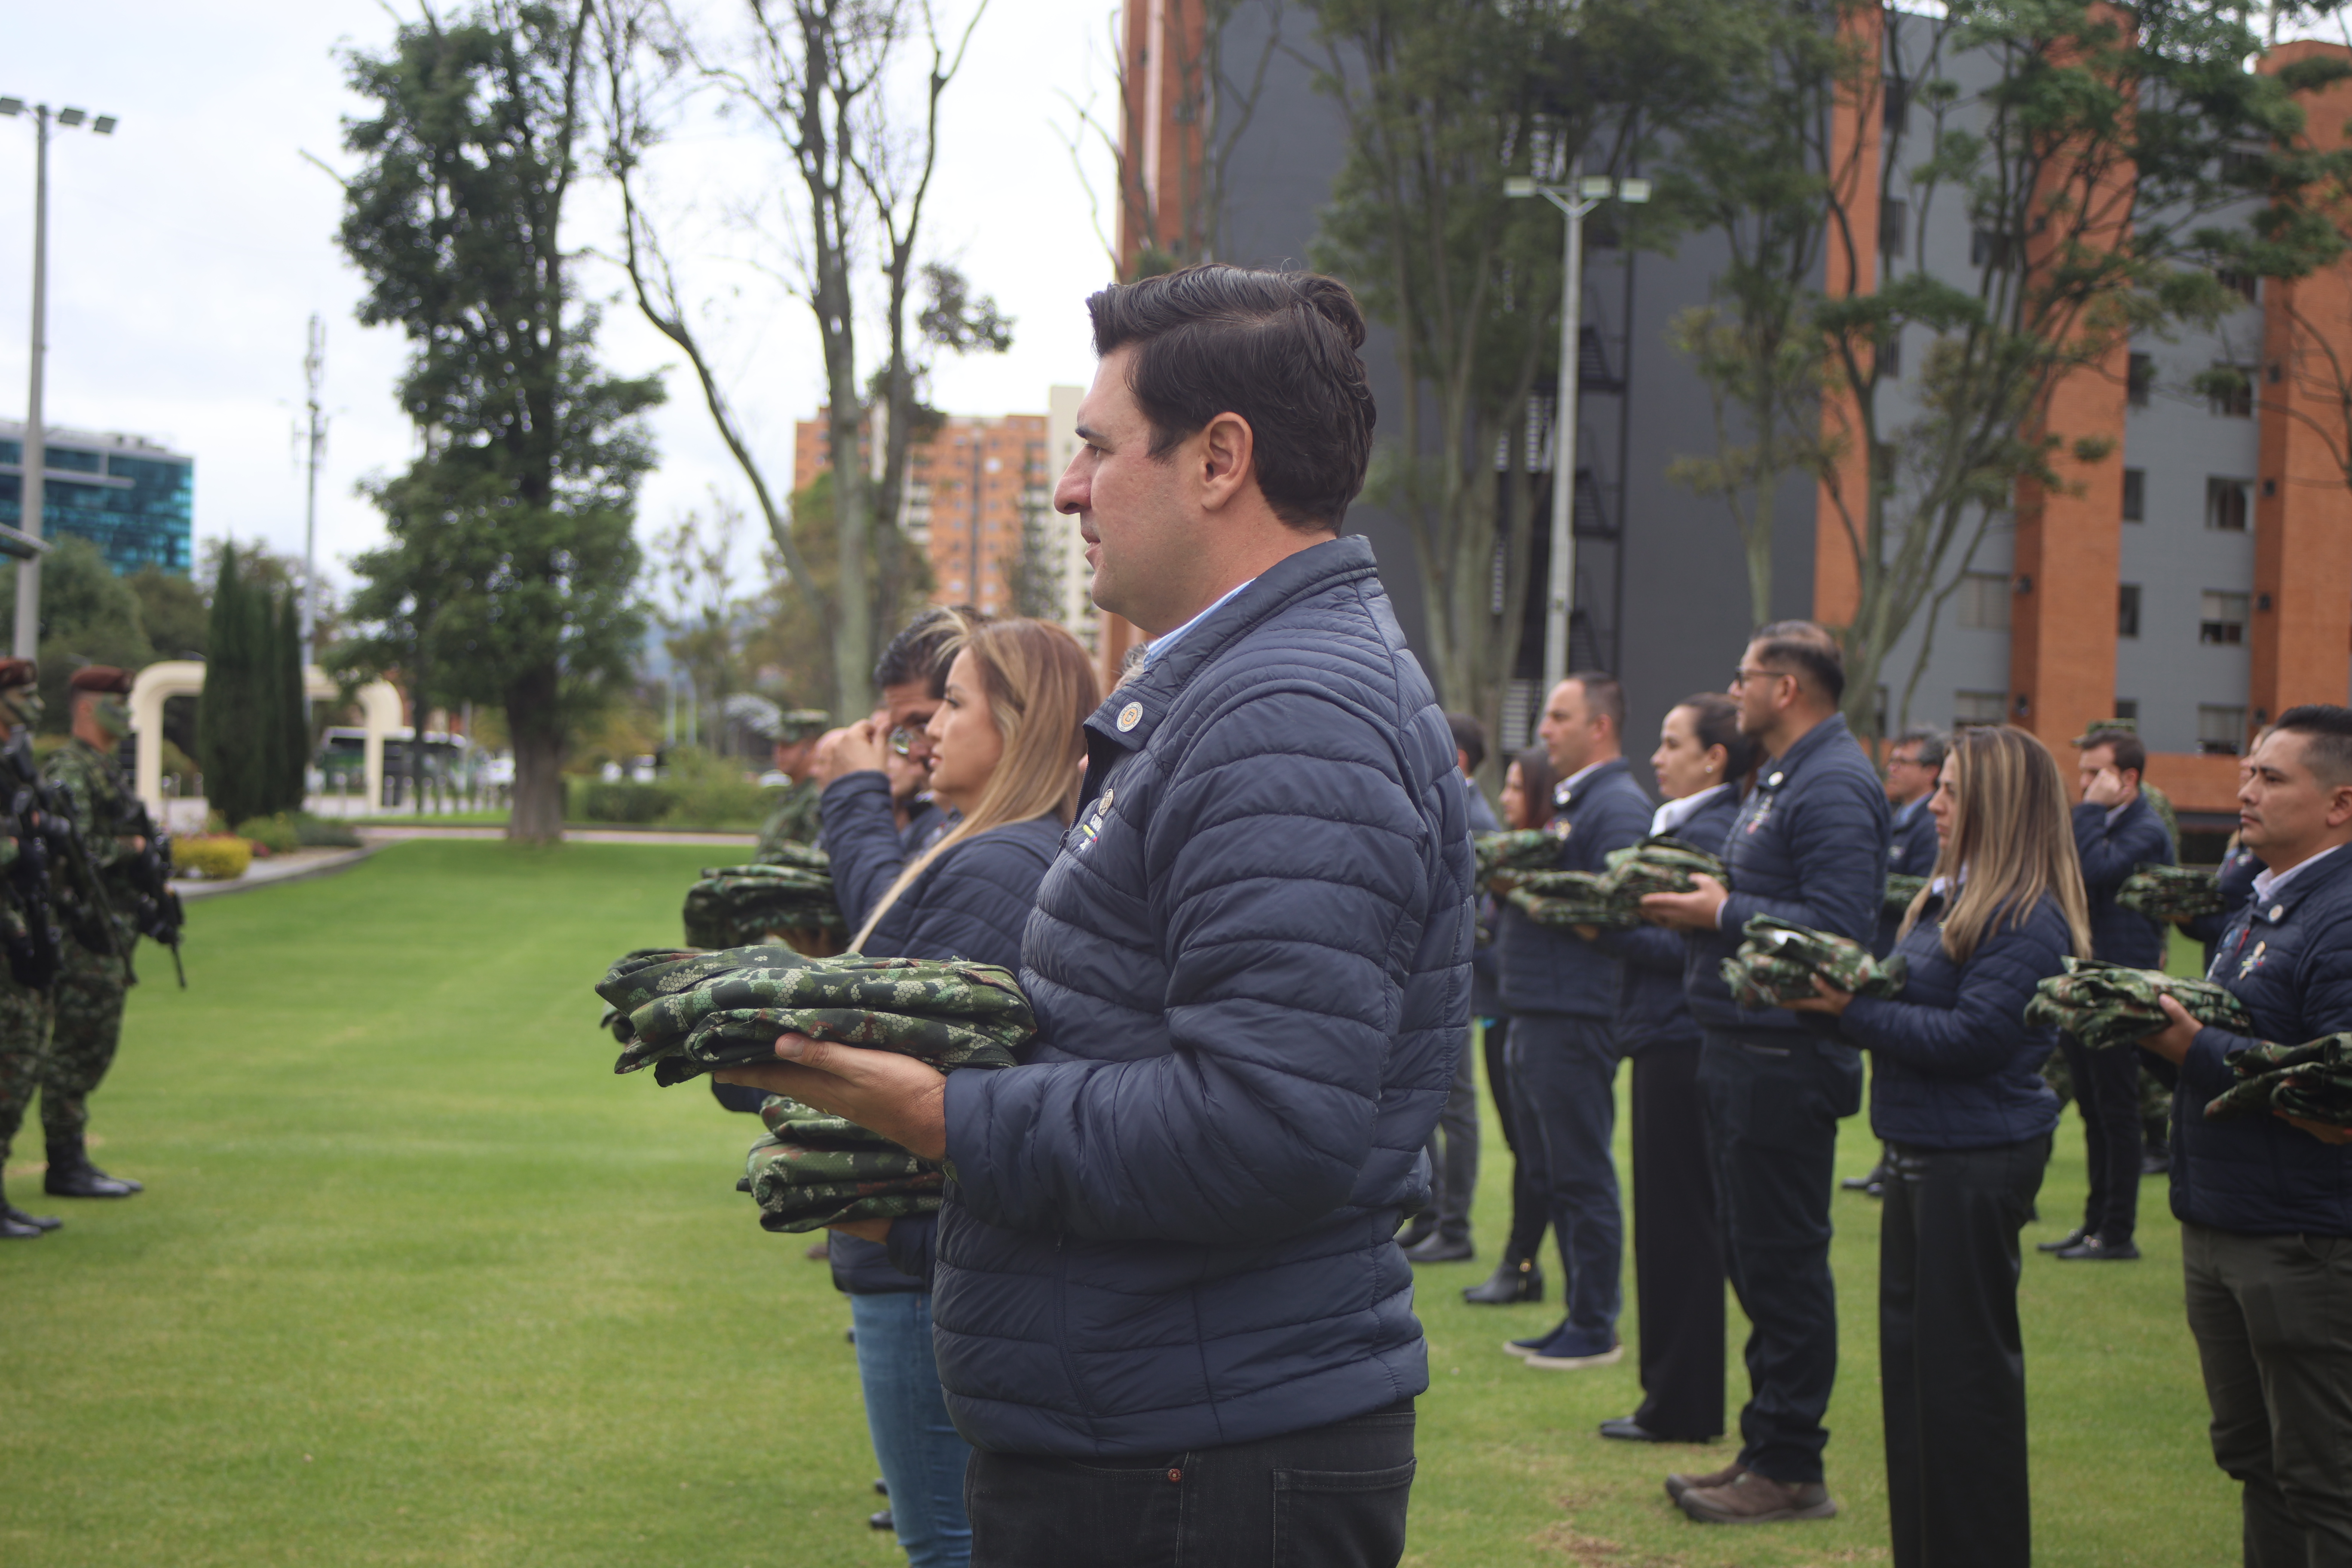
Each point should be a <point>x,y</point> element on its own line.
<point>880,1521</point>
<point>1869,1184</point>
<point>1416,1233</point>
<point>2090,1249</point>
<point>2072,1239</point>
<point>1510,1284</point>
<point>2155,1161</point>
<point>1437,1249</point>
<point>14,1229</point>
<point>37,1221</point>
<point>1625,1429</point>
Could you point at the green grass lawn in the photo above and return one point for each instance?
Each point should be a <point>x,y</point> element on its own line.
<point>418,1281</point>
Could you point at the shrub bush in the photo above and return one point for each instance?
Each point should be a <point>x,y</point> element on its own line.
<point>216,857</point>
<point>319,833</point>
<point>275,833</point>
<point>623,800</point>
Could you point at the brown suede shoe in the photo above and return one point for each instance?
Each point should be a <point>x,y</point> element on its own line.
<point>1677,1485</point>
<point>1758,1499</point>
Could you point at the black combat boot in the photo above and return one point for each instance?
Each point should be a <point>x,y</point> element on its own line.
<point>16,1225</point>
<point>71,1175</point>
<point>1514,1280</point>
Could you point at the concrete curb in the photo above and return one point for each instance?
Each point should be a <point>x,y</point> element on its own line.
<point>266,874</point>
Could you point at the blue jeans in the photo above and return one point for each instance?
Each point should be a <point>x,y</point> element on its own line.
<point>1563,1070</point>
<point>923,1457</point>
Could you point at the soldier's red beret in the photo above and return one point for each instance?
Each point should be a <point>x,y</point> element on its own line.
<point>101,678</point>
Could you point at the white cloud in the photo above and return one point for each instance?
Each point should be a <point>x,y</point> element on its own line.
<point>188,250</point>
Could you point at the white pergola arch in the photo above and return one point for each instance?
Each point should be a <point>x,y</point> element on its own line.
<point>380,706</point>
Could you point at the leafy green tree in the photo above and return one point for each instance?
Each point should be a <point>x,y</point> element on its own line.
<point>89,616</point>
<point>1441,104</point>
<point>511,562</point>
<point>172,608</point>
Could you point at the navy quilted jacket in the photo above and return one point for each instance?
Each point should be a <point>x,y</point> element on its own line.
<point>970,903</point>
<point>2235,877</point>
<point>1956,1067</point>
<point>1809,845</point>
<point>1652,1008</point>
<point>1173,1225</point>
<point>1550,969</point>
<point>2289,960</point>
<point>2111,853</point>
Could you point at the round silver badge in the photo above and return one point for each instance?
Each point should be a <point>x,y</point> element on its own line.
<point>1130,716</point>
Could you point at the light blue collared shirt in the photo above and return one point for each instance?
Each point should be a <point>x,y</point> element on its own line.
<point>1159,645</point>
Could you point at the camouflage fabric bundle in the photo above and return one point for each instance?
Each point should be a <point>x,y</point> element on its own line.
<point>1901,889</point>
<point>813,1170</point>
<point>2313,1080</point>
<point>1778,961</point>
<point>706,1010</point>
<point>1612,899</point>
<point>737,904</point>
<point>1523,849</point>
<point>2172,892</point>
<point>2106,1004</point>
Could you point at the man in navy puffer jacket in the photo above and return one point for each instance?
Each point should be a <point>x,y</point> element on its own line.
<point>2265,1205</point>
<point>1169,1308</point>
<point>1809,845</point>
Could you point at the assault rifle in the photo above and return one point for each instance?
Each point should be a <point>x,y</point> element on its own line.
<point>78,896</point>
<point>154,907</point>
<point>33,942</point>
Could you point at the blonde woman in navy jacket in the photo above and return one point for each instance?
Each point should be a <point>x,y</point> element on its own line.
<point>1957,1097</point>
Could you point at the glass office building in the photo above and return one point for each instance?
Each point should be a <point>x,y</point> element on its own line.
<point>131,498</point>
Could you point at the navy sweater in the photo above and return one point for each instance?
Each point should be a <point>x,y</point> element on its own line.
<point>1956,1067</point>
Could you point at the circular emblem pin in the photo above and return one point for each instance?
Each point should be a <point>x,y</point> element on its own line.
<point>2277,910</point>
<point>1130,716</point>
<point>1776,779</point>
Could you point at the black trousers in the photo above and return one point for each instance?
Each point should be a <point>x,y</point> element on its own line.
<point>1677,1248</point>
<point>2106,1091</point>
<point>1333,1496</point>
<point>1530,1215</point>
<point>1773,1100</point>
<point>1951,1361</point>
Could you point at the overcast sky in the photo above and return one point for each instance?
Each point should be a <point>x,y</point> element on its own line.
<point>188,250</point>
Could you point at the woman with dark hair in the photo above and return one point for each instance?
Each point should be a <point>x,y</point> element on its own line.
<point>1527,785</point>
<point>1006,744</point>
<point>1957,1094</point>
<point>1703,765</point>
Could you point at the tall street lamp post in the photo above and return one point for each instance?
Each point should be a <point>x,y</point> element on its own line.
<point>36,459</point>
<point>1579,197</point>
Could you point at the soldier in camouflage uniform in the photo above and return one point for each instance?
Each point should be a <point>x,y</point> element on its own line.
<point>24,1012</point>
<point>794,820</point>
<point>91,985</point>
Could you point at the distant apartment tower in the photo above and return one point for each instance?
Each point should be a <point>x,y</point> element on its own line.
<point>133,499</point>
<point>973,490</point>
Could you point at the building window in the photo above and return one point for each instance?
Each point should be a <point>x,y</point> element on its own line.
<point>2221,732</point>
<point>2229,504</point>
<point>1984,601</point>
<point>1894,218</point>
<point>1987,247</point>
<point>1890,354</point>
<point>2220,618</point>
<point>2128,709</point>
<point>2127,610</point>
<point>1898,102</point>
<point>2244,285</point>
<point>2139,379</point>
<point>2232,392</point>
<point>2135,495</point>
<point>1978,708</point>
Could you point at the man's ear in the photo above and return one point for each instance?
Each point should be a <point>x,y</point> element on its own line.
<point>1226,450</point>
<point>2340,805</point>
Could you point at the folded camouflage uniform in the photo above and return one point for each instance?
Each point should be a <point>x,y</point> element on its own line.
<point>1611,899</point>
<point>2107,1004</point>
<point>813,1170</point>
<point>1901,889</point>
<point>725,1009</point>
<point>2172,892</point>
<point>2313,1080</point>
<point>806,857</point>
<point>1524,849</point>
<point>1778,961</point>
<point>736,904</point>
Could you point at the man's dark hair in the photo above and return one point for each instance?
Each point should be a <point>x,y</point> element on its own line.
<point>1469,738</point>
<point>925,647</point>
<point>1604,694</point>
<point>1934,745</point>
<point>2131,752</point>
<point>2327,731</point>
<point>1806,651</point>
<point>1279,349</point>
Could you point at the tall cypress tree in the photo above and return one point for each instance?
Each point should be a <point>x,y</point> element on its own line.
<point>229,721</point>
